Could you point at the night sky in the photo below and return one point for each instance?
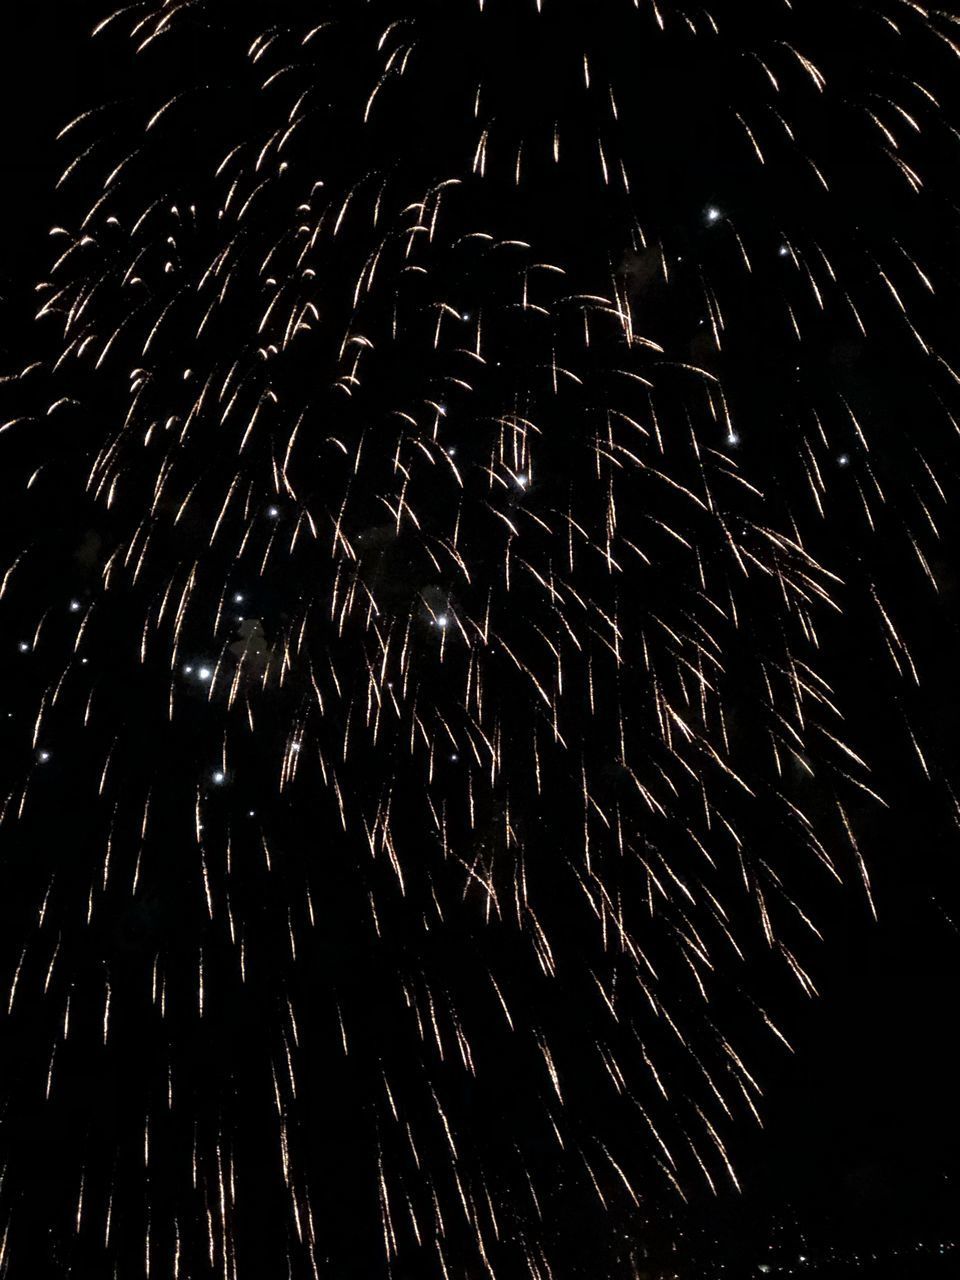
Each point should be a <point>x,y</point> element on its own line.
<point>463,717</point>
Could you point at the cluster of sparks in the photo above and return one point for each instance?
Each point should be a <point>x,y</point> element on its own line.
<point>445,608</point>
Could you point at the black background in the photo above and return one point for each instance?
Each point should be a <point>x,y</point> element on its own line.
<point>862,1134</point>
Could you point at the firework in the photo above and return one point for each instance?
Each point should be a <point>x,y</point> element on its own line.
<point>462,425</point>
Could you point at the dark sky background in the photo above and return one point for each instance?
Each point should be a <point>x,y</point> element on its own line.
<point>862,1136</point>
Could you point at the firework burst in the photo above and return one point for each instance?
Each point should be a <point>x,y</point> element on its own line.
<point>460,420</point>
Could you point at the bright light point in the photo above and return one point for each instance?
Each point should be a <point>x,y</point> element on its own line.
<point>733,438</point>
<point>43,756</point>
<point>523,481</point>
<point>452,451</point>
<point>442,620</point>
<point>294,746</point>
<point>843,460</point>
<point>204,673</point>
<point>454,758</point>
<point>74,606</point>
<point>238,598</point>
<point>23,647</point>
<point>188,671</point>
<point>712,214</point>
<point>251,813</point>
<point>219,777</point>
<point>273,512</point>
<point>783,251</point>
<point>442,410</point>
